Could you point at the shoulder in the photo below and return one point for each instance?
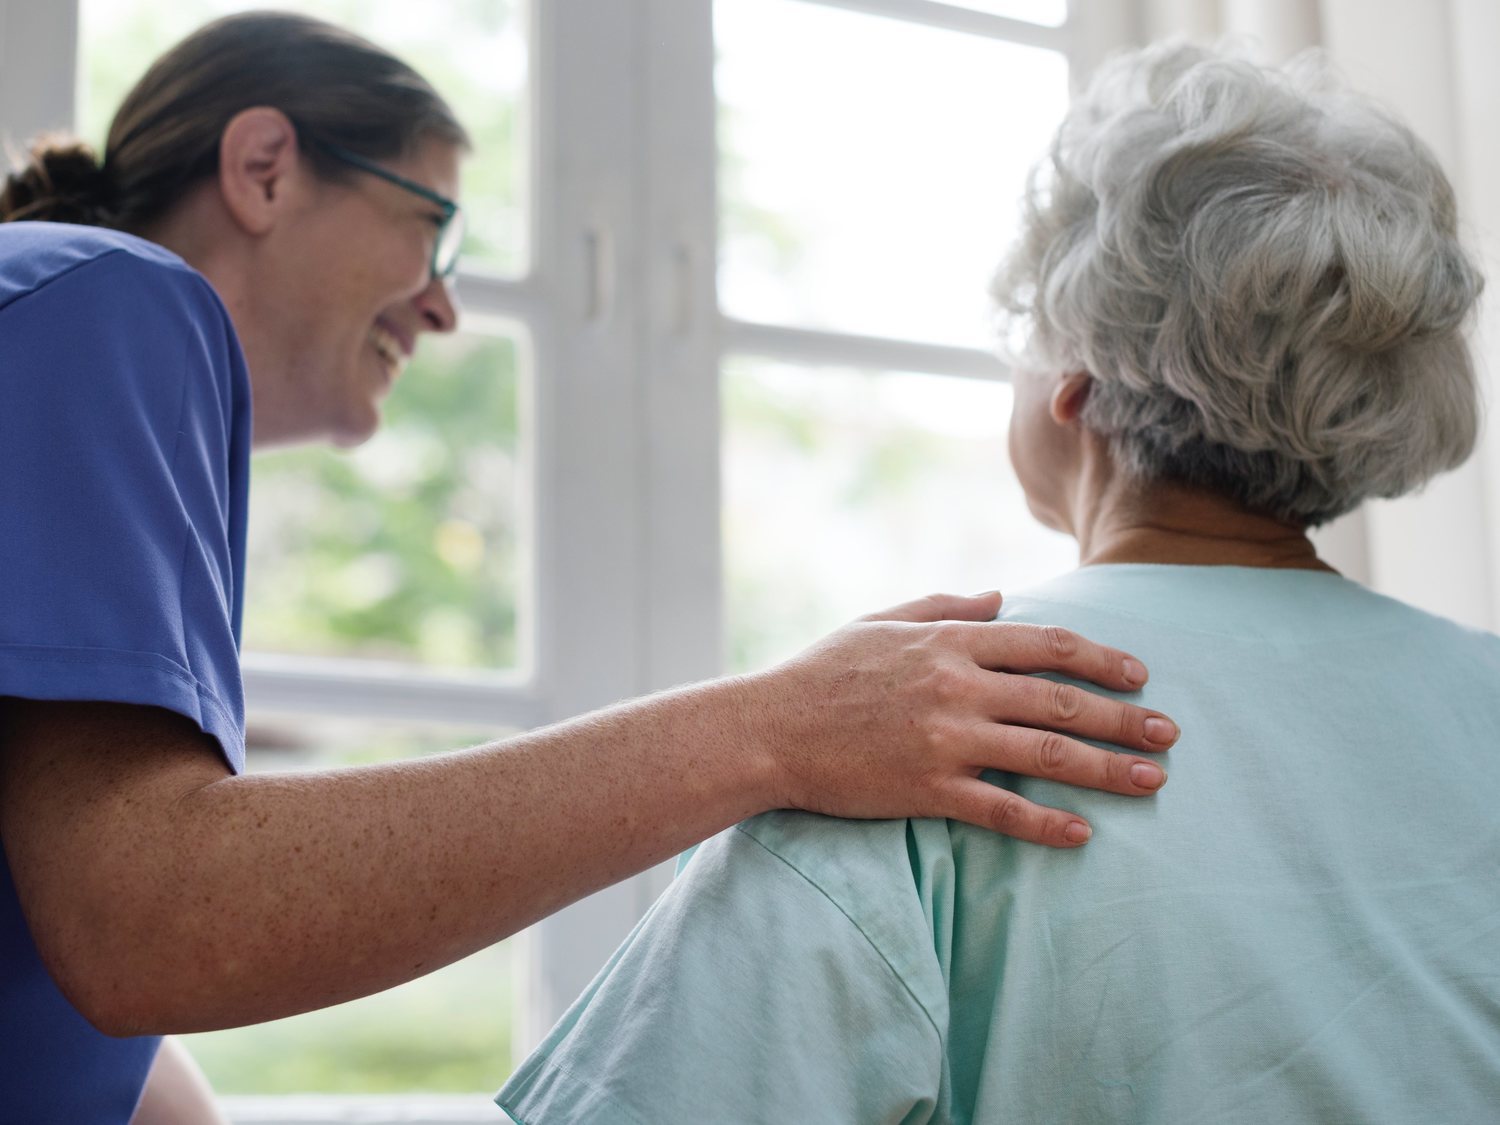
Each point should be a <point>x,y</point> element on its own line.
<point>106,268</point>
<point>105,314</point>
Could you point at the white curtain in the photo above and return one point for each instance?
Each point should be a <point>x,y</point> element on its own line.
<point>1431,61</point>
<point>1278,28</point>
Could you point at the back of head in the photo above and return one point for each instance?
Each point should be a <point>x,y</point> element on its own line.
<point>164,140</point>
<point>1262,272</point>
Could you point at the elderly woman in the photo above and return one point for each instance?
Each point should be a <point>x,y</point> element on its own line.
<point>1239,299</point>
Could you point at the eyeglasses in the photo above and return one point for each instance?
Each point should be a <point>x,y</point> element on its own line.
<point>450,235</point>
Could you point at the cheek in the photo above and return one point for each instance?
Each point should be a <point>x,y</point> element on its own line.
<point>1032,443</point>
<point>1022,439</point>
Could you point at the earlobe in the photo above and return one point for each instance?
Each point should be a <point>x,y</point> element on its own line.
<point>1069,396</point>
<point>258,158</point>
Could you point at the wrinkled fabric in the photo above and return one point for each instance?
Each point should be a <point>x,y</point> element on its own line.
<point>1299,927</point>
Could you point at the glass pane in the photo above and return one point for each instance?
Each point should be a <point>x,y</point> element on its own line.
<point>1053,13</point>
<point>448,1032</point>
<point>411,547</point>
<point>870,170</point>
<point>847,491</point>
<point>473,51</point>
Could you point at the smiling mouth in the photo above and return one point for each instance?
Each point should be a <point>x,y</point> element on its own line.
<point>388,347</point>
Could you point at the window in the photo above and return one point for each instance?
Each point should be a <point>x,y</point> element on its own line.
<point>723,383</point>
<point>870,175</point>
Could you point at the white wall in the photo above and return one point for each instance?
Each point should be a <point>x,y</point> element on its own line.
<point>1474,32</point>
<point>38,70</point>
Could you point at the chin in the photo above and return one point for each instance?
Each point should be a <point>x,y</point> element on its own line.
<point>1046,516</point>
<point>356,429</point>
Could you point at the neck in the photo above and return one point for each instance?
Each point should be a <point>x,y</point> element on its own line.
<point>1121,521</point>
<point>198,230</point>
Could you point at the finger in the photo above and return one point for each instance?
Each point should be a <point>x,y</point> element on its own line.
<point>943,607</point>
<point>1009,646</point>
<point>1032,702</point>
<point>1001,810</point>
<point>1047,754</point>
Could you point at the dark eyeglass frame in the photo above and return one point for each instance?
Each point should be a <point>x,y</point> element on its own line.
<point>445,245</point>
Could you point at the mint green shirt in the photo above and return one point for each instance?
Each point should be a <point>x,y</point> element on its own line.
<point>1302,926</point>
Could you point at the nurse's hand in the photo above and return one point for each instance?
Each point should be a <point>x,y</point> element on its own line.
<point>900,712</point>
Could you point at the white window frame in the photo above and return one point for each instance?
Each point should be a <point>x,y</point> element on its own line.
<point>626,340</point>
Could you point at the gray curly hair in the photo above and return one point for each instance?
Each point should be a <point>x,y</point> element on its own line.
<point>1261,271</point>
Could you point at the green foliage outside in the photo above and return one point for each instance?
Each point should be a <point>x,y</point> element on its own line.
<point>446,1033</point>
<point>406,548</point>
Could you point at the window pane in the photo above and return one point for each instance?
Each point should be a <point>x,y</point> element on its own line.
<point>848,491</point>
<point>870,170</point>
<point>411,547</point>
<point>447,1032</point>
<point>1050,12</point>
<point>473,51</point>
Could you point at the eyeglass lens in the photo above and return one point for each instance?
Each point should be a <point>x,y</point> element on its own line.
<point>445,255</point>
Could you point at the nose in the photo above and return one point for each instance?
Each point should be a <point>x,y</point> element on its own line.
<point>438,305</point>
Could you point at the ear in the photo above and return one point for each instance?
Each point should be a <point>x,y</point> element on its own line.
<point>258,165</point>
<point>1069,396</point>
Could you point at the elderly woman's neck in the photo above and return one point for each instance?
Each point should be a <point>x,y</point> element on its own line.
<point>1121,521</point>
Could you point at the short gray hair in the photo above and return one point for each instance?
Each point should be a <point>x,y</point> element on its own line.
<point>1261,271</point>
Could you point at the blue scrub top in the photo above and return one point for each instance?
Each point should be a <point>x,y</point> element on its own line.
<point>124,482</point>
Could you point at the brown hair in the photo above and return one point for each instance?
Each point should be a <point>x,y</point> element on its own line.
<point>333,85</point>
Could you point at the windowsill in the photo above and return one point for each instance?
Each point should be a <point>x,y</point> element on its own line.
<point>363,1109</point>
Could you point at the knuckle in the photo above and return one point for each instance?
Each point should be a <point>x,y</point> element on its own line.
<point>950,634</point>
<point>1052,754</point>
<point>947,684</point>
<point>1060,643</point>
<point>1067,703</point>
<point>942,741</point>
<point>1008,815</point>
<point>1117,771</point>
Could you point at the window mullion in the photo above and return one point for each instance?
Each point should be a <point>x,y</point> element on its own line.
<point>589,501</point>
<point>816,347</point>
<point>681,347</point>
<point>951,17</point>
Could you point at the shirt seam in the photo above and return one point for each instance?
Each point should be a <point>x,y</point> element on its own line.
<point>112,252</point>
<point>51,654</point>
<point>573,1076</point>
<point>1097,607</point>
<point>187,523</point>
<point>906,987</point>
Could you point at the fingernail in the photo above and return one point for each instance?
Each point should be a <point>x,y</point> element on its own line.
<point>1160,730</point>
<point>1135,671</point>
<point>984,593</point>
<point>1147,776</point>
<point>1077,832</point>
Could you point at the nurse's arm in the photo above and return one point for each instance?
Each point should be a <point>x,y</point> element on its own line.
<point>166,895</point>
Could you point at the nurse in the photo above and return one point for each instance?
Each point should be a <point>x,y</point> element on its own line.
<point>269,233</point>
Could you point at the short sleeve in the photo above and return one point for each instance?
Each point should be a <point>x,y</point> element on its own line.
<point>124,450</point>
<point>745,995</point>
